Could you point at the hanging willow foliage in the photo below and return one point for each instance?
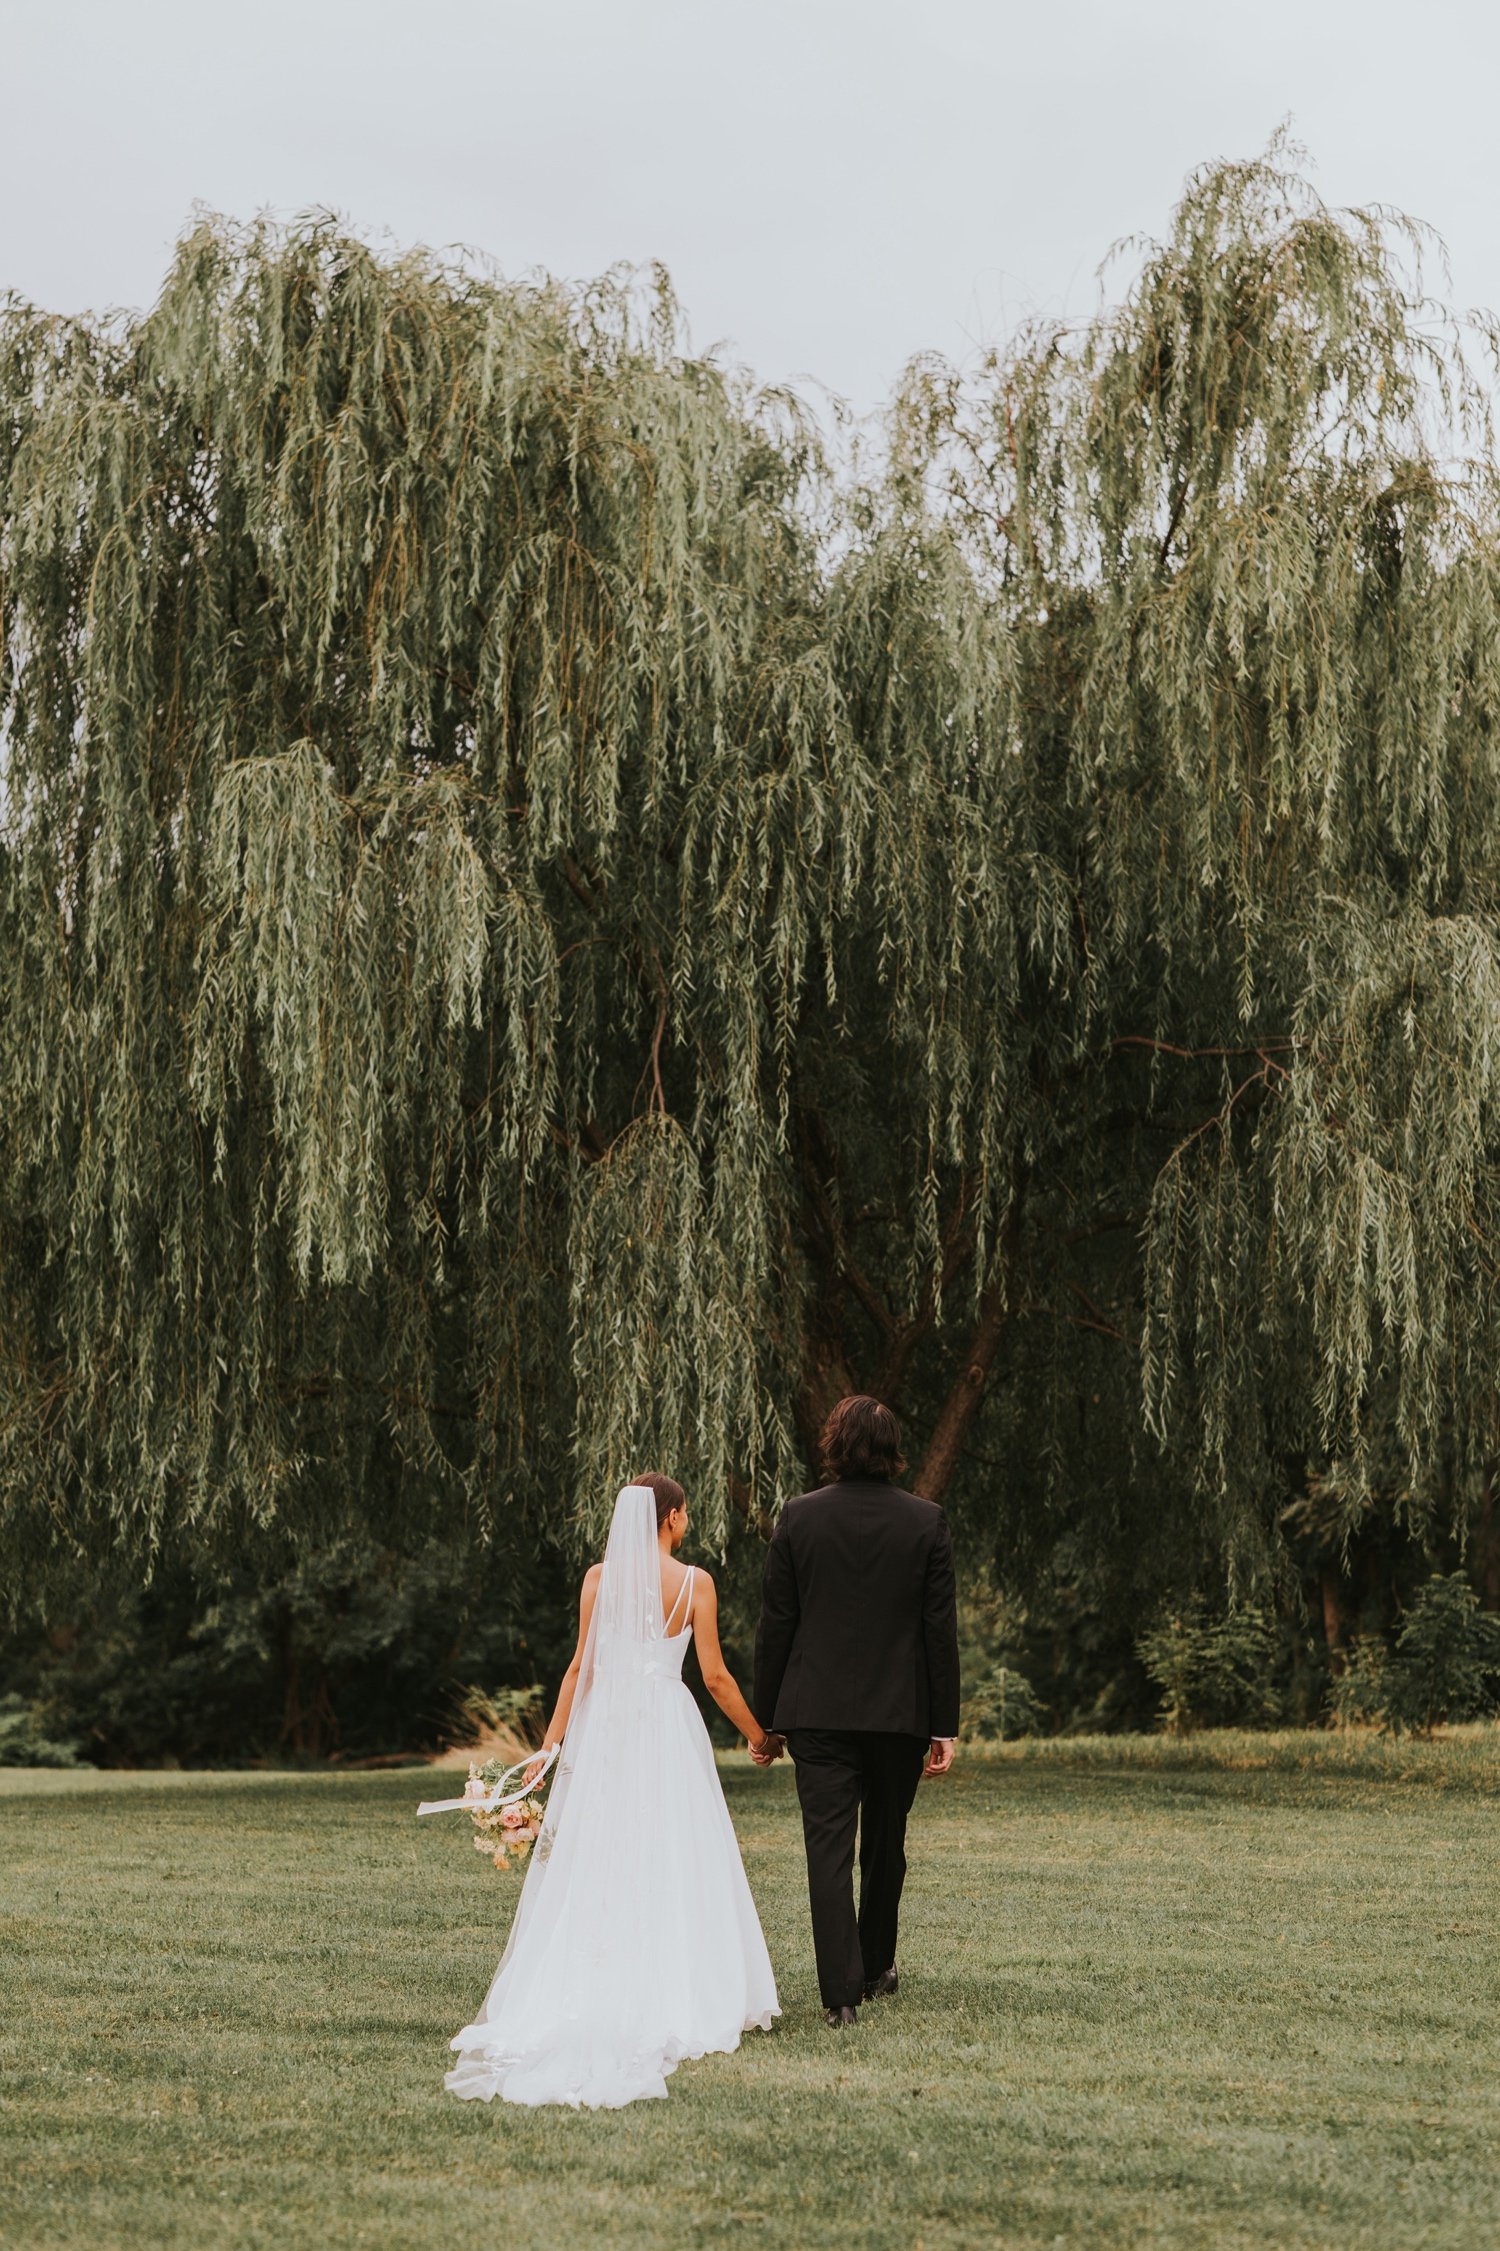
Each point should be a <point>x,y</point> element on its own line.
<point>542,931</point>
<point>1252,581</point>
<point>431,799</point>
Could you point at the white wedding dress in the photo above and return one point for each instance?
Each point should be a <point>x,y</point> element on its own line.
<point>636,1941</point>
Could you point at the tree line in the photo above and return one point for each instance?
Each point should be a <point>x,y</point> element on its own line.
<point>552,926</point>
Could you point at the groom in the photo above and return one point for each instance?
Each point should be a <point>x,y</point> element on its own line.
<point>856,1664</point>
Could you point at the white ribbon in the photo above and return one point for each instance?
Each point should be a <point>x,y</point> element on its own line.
<point>497,1796</point>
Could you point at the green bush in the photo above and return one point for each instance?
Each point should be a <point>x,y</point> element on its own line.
<point>1001,1703</point>
<point>24,1740</point>
<point>1443,1666</point>
<point>1446,1657</point>
<point>520,1712</point>
<point>1212,1672</point>
<point>352,1649</point>
<point>1357,1696</point>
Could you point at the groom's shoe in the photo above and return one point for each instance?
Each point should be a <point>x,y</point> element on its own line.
<point>878,1987</point>
<point>838,2018</point>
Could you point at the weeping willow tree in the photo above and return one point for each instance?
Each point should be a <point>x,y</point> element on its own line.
<point>1241,533</point>
<point>436,837</point>
<point>543,930</point>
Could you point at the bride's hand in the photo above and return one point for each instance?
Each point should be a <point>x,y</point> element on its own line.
<point>537,1768</point>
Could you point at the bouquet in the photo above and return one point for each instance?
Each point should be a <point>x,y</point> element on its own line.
<point>504,1832</point>
<point>507,1822</point>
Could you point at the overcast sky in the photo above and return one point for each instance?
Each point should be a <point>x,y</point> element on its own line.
<point>834,184</point>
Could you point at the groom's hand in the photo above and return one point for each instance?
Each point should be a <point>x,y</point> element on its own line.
<point>940,1757</point>
<point>768,1752</point>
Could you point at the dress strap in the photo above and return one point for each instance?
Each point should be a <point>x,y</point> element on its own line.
<point>685,1589</point>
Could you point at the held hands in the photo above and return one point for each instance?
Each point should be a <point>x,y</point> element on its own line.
<point>940,1757</point>
<point>768,1750</point>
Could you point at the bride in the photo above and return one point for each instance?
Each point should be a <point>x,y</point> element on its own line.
<point>588,2006</point>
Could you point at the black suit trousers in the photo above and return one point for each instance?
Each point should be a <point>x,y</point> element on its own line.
<point>847,1779</point>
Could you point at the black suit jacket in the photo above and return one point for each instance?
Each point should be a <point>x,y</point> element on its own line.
<point>858,1622</point>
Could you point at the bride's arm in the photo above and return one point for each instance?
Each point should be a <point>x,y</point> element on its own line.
<point>717,1678</point>
<point>557,1726</point>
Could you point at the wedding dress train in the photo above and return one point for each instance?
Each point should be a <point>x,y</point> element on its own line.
<point>635,1942</point>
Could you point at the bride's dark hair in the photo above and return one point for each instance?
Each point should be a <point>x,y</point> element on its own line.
<point>669,1494</point>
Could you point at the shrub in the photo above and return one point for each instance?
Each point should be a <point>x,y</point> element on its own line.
<point>1357,1695</point>
<point>350,1649</point>
<point>500,1722</point>
<point>1212,1672</point>
<point>1447,1654</point>
<point>24,1740</point>
<point>1001,1703</point>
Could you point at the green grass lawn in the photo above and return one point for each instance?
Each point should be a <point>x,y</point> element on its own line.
<point>1239,1992</point>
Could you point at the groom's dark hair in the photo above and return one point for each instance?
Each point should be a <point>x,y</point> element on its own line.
<point>669,1493</point>
<point>861,1438</point>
